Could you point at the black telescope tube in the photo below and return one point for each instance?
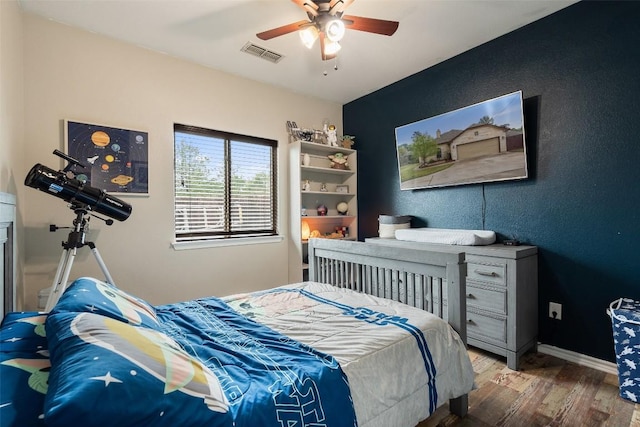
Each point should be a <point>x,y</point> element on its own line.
<point>72,190</point>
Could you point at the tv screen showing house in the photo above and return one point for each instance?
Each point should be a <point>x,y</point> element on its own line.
<point>483,142</point>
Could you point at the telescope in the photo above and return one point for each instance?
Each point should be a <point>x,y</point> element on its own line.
<point>64,185</point>
<point>84,200</point>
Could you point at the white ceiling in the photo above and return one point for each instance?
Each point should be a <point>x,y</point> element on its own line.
<point>212,32</point>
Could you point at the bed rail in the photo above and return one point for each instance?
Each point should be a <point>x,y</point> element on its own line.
<point>7,253</point>
<point>430,280</point>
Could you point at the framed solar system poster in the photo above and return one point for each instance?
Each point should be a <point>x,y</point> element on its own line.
<point>115,160</point>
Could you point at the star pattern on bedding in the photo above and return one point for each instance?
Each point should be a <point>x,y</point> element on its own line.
<point>625,321</point>
<point>25,351</point>
<point>107,378</point>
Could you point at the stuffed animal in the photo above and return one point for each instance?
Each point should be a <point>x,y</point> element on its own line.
<point>347,141</point>
<point>338,161</point>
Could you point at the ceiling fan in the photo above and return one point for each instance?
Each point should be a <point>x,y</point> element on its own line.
<point>327,22</point>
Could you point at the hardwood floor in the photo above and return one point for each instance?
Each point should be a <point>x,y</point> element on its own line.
<point>547,391</point>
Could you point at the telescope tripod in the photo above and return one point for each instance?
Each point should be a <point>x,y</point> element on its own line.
<point>75,241</point>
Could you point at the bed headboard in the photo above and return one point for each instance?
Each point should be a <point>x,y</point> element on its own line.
<point>431,280</point>
<point>7,253</point>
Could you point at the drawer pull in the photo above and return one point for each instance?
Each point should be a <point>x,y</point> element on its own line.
<point>470,295</point>
<point>486,273</point>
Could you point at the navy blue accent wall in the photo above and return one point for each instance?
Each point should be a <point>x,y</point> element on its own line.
<point>579,71</point>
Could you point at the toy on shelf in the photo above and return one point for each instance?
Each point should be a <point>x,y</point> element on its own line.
<point>347,141</point>
<point>331,134</point>
<point>298,133</point>
<point>338,161</point>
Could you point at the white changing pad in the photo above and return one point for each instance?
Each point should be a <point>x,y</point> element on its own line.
<point>447,236</point>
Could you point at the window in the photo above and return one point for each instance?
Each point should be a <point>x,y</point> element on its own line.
<point>225,185</point>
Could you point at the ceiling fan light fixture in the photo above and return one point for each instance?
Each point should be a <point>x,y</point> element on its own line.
<point>335,30</point>
<point>331,48</point>
<point>327,22</point>
<point>308,35</point>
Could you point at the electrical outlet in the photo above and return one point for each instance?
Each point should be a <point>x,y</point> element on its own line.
<point>556,308</point>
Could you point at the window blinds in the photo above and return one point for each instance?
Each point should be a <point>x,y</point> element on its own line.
<point>224,184</point>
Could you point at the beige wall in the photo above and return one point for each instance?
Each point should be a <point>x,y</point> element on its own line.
<point>12,117</point>
<point>11,96</point>
<point>72,74</point>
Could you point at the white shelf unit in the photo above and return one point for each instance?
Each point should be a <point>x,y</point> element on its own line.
<point>319,172</point>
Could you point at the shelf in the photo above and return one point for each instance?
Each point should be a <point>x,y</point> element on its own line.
<point>327,170</point>
<point>313,147</point>
<point>306,242</point>
<point>315,217</point>
<point>310,167</point>
<point>329,193</point>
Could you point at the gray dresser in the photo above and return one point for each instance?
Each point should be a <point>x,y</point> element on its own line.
<point>502,296</point>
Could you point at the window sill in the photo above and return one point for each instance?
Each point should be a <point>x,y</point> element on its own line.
<point>216,243</point>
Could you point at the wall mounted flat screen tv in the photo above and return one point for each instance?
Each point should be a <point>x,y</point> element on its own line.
<point>483,142</point>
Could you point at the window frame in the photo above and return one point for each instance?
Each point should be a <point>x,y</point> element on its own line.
<point>196,239</point>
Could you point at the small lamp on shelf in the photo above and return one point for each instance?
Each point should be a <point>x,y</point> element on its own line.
<point>306,231</point>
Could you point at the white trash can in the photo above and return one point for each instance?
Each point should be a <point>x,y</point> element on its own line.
<point>43,297</point>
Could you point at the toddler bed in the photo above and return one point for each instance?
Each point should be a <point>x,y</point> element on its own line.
<point>336,351</point>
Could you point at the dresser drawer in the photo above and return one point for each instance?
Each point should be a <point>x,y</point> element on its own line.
<point>486,272</point>
<point>483,327</point>
<point>486,297</point>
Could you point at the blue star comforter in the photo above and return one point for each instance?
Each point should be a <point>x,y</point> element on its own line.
<point>299,355</point>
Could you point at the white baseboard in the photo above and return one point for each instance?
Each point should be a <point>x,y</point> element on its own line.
<point>580,359</point>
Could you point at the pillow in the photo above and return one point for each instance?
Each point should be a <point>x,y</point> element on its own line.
<point>23,331</point>
<point>24,369</point>
<point>90,295</point>
<point>105,372</point>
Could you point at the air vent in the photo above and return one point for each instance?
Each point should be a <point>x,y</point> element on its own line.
<point>261,52</point>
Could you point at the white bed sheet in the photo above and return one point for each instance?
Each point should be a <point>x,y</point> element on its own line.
<point>447,236</point>
<point>386,371</point>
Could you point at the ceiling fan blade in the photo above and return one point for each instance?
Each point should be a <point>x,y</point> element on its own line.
<point>308,5</point>
<point>370,25</point>
<point>324,57</point>
<point>280,31</point>
<point>337,6</point>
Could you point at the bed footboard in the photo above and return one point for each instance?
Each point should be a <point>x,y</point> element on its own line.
<point>429,280</point>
